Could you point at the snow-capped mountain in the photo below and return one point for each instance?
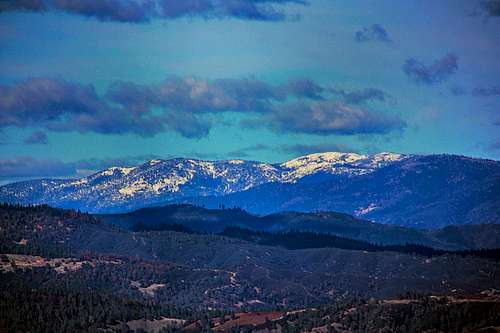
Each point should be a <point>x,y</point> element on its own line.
<point>157,181</point>
<point>335,163</point>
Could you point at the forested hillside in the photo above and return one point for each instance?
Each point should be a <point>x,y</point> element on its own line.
<point>59,261</point>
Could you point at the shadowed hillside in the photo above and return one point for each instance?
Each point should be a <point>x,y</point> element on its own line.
<point>216,220</point>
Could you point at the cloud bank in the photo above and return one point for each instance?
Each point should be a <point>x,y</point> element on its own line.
<point>187,106</point>
<point>491,7</point>
<point>143,11</point>
<point>327,118</point>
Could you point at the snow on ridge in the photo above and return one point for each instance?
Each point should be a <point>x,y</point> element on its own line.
<point>178,177</point>
<point>239,175</point>
<point>335,163</point>
<point>153,162</point>
<point>111,171</point>
<point>323,158</point>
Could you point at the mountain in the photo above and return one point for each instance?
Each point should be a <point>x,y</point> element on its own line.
<point>412,190</point>
<point>417,191</point>
<point>201,219</point>
<point>126,188</point>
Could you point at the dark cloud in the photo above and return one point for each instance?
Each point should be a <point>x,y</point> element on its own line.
<point>187,106</point>
<point>22,5</point>
<point>246,151</point>
<point>476,92</point>
<point>328,117</point>
<point>486,91</point>
<point>261,10</point>
<point>108,10</point>
<point>304,88</point>
<point>375,32</point>
<point>301,149</point>
<point>59,105</point>
<point>140,11</point>
<point>361,96</point>
<point>30,167</point>
<point>491,7</point>
<point>205,96</point>
<point>177,104</point>
<point>37,137</point>
<point>434,73</point>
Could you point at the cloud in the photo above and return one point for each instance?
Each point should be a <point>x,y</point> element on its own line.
<point>142,11</point>
<point>22,5</point>
<point>328,117</point>
<point>30,167</point>
<point>245,152</point>
<point>202,96</point>
<point>375,32</point>
<point>107,10</point>
<point>182,105</point>
<point>188,106</point>
<point>491,7</point>
<point>37,137</point>
<point>486,91</point>
<point>303,88</point>
<point>301,149</point>
<point>59,105</point>
<point>361,96</point>
<point>261,10</point>
<point>476,92</point>
<point>439,71</point>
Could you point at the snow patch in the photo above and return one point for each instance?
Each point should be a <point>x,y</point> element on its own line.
<point>364,211</point>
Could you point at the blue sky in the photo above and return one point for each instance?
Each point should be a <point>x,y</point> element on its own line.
<point>88,84</point>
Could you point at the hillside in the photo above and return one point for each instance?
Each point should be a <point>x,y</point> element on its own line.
<point>216,220</point>
<point>276,271</point>
<point>177,280</point>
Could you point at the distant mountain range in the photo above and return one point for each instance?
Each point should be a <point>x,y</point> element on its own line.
<point>412,190</point>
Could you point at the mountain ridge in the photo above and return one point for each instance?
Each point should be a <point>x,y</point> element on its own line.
<point>162,180</point>
<point>424,191</point>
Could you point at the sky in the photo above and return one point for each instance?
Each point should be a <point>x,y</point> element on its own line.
<point>89,84</point>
